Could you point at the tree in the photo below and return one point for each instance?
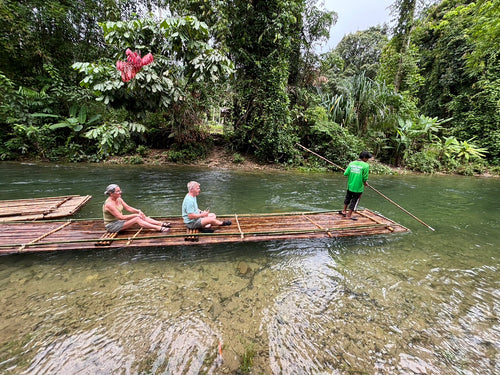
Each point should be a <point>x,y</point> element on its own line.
<point>184,70</point>
<point>485,32</point>
<point>261,45</point>
<point>361,51</point>
<point>56,32</point>
<point>402,35</point>
<point>311,29</point>
<point>272,44</point>
<point>456,86</point>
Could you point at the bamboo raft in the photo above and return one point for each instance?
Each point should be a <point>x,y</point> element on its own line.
<point>41,208</point>
<point>24,237</point>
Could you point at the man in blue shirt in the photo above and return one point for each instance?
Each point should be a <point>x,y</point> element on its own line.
<point>193,217</point>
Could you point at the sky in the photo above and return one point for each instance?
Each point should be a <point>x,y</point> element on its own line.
<point>355,15</point>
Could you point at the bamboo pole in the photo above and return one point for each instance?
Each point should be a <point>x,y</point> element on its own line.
<point>375,220</point>
<point>239,227</point>
<point>134,236</point>
<point>35,200</point>
<point>319,226</point>
<point>34,242</point>
<point>52,231</point>
<point>371,187</point>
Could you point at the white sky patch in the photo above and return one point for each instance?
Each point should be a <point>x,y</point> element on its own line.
<point>356,15</point>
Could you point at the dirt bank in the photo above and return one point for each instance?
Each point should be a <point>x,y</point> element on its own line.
<point>218,158</point>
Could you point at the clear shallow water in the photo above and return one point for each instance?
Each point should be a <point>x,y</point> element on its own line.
<point>422,302</point>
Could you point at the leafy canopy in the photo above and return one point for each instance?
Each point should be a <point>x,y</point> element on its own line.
<point>183,58</point>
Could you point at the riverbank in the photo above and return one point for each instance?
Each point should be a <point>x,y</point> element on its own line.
<point>219,157</point>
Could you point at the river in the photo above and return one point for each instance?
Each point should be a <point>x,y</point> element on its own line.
<point>421,302</point>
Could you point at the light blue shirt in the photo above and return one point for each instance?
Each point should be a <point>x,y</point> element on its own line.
<point>189,206</point>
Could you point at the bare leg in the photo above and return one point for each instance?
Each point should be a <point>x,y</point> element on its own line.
<point>351,210</point>
<point>152,221</point>
<point>142,223</point>
<point>211,219</point>
<point>344,211</point>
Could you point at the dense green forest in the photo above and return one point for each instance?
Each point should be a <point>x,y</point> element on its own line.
<point>82,80</point>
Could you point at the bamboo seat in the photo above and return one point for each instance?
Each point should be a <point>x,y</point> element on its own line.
<point>105,239</point>
<point>191,235</point>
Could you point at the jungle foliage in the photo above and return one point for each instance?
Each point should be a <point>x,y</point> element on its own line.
<point>423,94</point>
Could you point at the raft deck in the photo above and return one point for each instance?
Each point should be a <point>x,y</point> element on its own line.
<point>90,234</point>
<point>41,208</point>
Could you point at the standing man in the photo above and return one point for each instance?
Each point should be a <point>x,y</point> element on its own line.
<point>357,174</point>
<point>193,217</point>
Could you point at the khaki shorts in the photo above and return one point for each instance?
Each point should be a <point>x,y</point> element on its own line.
<point>194,224</point>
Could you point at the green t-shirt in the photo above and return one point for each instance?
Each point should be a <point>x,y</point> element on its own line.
<point>357,174</point>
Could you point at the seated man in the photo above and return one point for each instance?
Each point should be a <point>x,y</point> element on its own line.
<point>193,217</point>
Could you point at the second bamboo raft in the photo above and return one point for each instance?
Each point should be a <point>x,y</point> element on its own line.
<point>41,208</point>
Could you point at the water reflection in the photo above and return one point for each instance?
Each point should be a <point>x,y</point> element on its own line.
<point>423,302</point>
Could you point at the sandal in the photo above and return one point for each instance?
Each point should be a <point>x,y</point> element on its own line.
<point>164,229</point>
<point>341,213</point>
<point>165,225</point>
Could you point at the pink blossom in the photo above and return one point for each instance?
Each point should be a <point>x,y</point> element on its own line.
<point>133,65</point>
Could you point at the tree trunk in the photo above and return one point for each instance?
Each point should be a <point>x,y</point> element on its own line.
<point>403,31</point>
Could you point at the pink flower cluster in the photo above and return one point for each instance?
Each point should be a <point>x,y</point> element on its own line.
<point>133,64</point>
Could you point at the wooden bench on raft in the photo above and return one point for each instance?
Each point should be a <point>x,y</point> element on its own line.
<point>105,239</point>
<point>191,235</point>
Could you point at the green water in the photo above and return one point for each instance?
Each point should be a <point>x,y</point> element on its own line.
<point>421,302</point>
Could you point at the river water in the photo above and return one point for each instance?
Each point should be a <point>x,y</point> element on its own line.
<point>422,302</point>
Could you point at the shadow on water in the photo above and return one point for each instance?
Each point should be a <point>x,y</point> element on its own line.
<point>422,302</point>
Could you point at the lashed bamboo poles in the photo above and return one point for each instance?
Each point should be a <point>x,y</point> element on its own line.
<point>371,187</point>
<point>34,209</point>
<point>55,207</point>
<point>375,220</point>
<point>33,242</point>
<point>40,208</point>
<point>319,226</point>
<point>255,227</point>
<point>215,234</point>
<point>104,240</point>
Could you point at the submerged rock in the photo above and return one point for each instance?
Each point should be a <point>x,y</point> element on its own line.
<point>244,268</point>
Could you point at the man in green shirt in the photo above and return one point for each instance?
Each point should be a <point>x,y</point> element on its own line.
<point>357,174</point>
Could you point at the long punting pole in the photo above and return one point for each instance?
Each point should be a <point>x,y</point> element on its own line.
<point>371,187</point>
